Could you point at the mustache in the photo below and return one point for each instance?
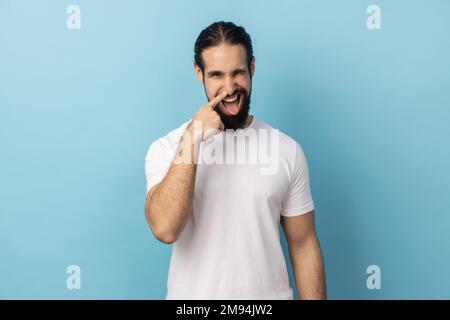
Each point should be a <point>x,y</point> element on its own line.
<point>237,91</point>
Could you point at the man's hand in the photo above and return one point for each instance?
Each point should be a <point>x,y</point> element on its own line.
<point>207,119</point>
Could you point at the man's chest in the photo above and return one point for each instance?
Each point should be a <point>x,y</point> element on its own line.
<point>236,183</point>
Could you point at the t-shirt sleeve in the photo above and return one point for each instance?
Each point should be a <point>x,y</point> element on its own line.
<point>298,199</point>
<point>157,162</point>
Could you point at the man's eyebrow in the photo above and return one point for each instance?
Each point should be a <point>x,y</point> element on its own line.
<point>216,72</point>
<point>240,70</point>
<point>213,72</point>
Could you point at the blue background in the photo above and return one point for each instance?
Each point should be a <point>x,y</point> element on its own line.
<point>79,108</point>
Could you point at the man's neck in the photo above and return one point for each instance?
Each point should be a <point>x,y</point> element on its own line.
<point>248,121</point>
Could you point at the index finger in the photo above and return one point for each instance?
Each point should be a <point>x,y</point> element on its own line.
<point>214,101</point>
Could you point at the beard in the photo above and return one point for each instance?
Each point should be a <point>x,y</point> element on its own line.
<point>238,120</point>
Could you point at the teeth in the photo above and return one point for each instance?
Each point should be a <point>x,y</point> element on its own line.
<point>229,100</point>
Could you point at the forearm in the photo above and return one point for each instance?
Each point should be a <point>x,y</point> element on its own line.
<point>309,271</point>
<point>170,205</point>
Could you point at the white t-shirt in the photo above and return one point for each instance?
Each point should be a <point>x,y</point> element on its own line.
<point>230,247</point>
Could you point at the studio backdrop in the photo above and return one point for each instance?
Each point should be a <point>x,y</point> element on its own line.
<point>86,86</point>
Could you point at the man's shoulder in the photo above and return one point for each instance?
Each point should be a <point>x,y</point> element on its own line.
<point>170,141</point>
<point>175,135</point>
<point>284,139</point>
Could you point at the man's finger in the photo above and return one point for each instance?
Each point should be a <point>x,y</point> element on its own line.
<point>214,101</point>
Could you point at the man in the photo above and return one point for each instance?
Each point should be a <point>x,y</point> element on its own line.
<point>223,218</point>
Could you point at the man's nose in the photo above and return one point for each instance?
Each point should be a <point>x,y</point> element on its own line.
<point>230,86</point>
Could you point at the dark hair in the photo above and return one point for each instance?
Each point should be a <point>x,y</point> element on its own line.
<point>218,33</point>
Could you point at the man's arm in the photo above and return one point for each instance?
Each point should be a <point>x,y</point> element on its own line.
<point>169,203</point>
<point>306,256</point>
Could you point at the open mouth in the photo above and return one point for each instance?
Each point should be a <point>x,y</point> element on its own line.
<point>232,104</point>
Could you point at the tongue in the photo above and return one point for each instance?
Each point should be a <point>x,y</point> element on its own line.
<point>232,108</point>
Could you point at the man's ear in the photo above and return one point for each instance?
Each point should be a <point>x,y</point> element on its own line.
<point>252,67</point>
<point>198,72</point>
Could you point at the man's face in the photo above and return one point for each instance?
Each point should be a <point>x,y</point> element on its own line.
<point>226,70</point>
